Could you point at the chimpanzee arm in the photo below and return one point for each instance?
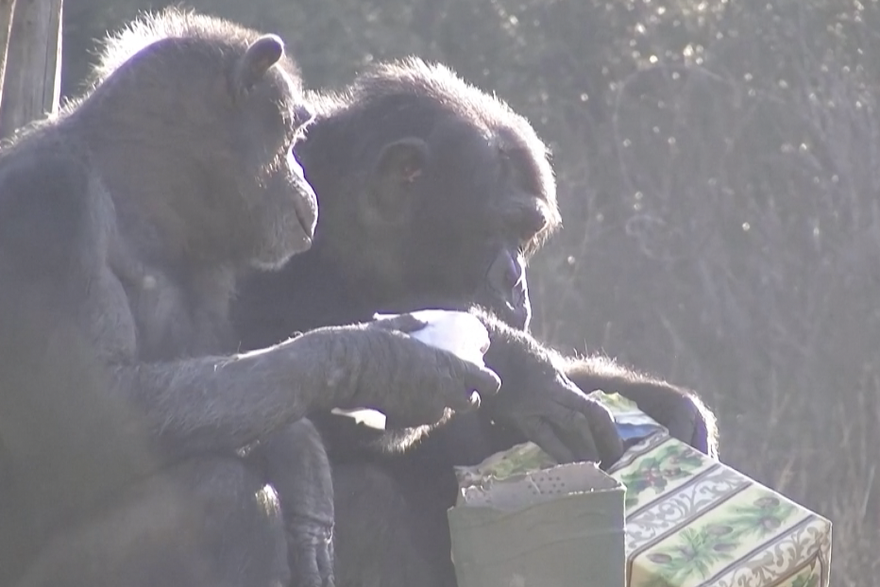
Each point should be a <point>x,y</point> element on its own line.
<point>542,399</point>
<point>537,402</point>
<point>680,410</point>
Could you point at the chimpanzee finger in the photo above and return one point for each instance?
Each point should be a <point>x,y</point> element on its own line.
<point>700,437</point>
<point>681,422</point>
<point>573,428</point>
<point>541,433</point>
<point>481,379</point>
<point>605,433</point>
<point>325,564</point>
<point>305,566</point>
<point>474,382</point>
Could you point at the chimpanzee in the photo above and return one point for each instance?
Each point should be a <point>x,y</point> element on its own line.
<point>435,194</point>
<point>131,434</point>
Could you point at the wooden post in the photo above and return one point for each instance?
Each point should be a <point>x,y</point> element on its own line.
<point>32,76</point>
<point>6,9</point>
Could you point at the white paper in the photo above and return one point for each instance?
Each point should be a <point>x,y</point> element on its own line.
<point>460,333</point>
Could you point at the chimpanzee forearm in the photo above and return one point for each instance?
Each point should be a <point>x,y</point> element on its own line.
<point>680,410</point>
<point>225,403</point>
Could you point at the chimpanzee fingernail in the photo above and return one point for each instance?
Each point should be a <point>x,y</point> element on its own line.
<point>474,400</point>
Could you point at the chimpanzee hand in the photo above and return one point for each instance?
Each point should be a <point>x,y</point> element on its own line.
<point>310,551</point>
<point>680,410</point>
<point>409,381</point>
<point>538,402</point>
<point>295,463</point>
<point>545,407</point>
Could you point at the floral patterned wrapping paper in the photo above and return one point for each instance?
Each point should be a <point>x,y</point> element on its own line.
<point>694,522</point>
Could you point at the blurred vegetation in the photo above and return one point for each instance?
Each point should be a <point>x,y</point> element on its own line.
<point>719,173</point>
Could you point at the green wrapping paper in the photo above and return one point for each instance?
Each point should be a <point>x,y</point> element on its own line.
<point>694,522</point>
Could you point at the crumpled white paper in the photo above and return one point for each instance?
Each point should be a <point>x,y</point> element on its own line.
<point>458,332</point>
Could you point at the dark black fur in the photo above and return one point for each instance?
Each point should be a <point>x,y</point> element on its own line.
<point>136,448</point>
<point>433,194</point>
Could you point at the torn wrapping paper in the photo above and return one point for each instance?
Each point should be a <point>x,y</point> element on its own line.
<point>522,521</point>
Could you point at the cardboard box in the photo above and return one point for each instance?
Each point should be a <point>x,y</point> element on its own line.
<point>520,521</point>
<point>694,522</point>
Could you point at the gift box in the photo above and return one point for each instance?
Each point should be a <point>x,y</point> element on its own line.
<point>694,522</point>
<point>691,521</point>
<point>521,521</point>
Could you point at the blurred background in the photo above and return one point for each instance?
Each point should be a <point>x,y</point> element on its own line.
<point>719,174</point>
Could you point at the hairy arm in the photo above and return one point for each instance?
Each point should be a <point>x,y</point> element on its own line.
<point>219,402</point>
<point>63,391</point>
<point>518,357</point>
<point>537,402</point>
<point>680,410</point>
<point>543,399</point>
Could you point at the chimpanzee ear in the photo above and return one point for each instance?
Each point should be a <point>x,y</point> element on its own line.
<point>399,166</point>
<point>256,61</point>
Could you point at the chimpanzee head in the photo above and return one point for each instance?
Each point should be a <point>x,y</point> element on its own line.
<point>193,119</point>
<point>430,189</point>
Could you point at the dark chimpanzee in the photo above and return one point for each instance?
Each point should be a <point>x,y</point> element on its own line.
<point>131,439</point>
<point>434,194</point>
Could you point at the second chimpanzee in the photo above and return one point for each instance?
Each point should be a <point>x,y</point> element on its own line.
<point>435,194</point>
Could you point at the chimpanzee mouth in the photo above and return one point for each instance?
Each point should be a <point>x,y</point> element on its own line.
<point>306,207</point>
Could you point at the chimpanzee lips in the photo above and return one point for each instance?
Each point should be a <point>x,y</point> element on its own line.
<point>306,206</point>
